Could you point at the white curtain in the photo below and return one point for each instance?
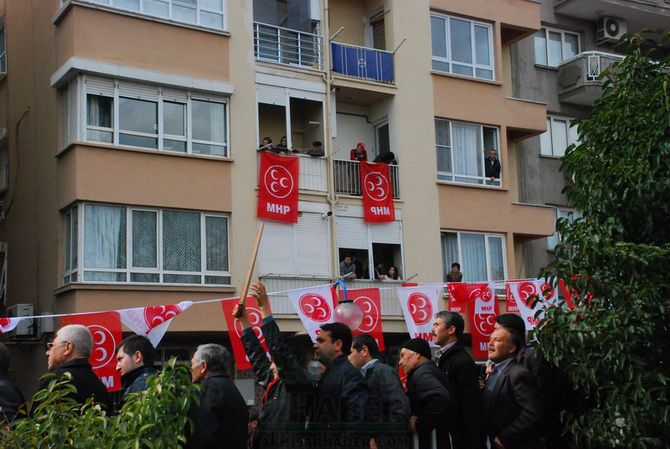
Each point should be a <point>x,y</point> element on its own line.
<point>449,251</point>
<point>104,237</point>
<point>466,144</point>
<point>474,257</point>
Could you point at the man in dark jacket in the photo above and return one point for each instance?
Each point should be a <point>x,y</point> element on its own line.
<point>221,419</point>
<point>463,374</point>
<point>429,396</point>
<point>69,353</point>
<point>511,404</point>
<point>339,405</point>
<point>388,406</point>
<point>135,362</point>
<point>12,404</point>
<point>492,165</point>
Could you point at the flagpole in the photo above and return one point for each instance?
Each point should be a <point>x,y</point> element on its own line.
<point>250,270</point>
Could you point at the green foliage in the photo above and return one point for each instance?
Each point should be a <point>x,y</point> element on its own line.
<point>155,418</point>
<point>615,345</point>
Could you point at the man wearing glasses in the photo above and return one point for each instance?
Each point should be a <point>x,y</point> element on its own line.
<point>69,353</point>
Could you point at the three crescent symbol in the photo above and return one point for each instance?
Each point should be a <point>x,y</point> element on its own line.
<point>278,181</point>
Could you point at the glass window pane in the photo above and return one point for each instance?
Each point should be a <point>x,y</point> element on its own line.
<point>461,40</point>
<point>104,276</point>
<point>545,141</point>
<point>156,8</point>
<point>209,121</point>
<point>461,69</point>
<point>99,136</point>
<point>181,241</point>
<point>571,47</point>
<point>540,41</point>
<point>182,279</point>
<point>496,260</point>
<point>145,248</point>
<point>75,238</point>
<point>490,140</point>
<point>144,277</point>
<point>211,20</point>
<point>133,5</point>
<point>68,240</point>
<point>443,146</point>
<point>174,145</point>
<point>573,134</point>
<point>438,36</point>
<point>214,5</point>
<point>482,45</point>
<point>222,280</point>
<point>174,118</point>
<point>217,243</point>
<point>485,74</point>
<point>104,236</point>
<point>184,14</point>
<point>138,141</point>
<point>441,66</point>
<point>555,54</point>
<point>474,257</point>
<point>138,115</point>
<point>99,111</point>
<point>559,136</point>
<point>449,251</point>
<point>207,149</point>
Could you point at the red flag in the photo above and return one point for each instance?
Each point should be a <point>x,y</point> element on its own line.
<point>278,188</point>
<point>510,302</point>
<point>403,377</point>
<point>483,312</point>
<point>370,303</point>
<point>377,192</point>
<point>106,330</point>
<point>461,294</point>
<point>235,328</point>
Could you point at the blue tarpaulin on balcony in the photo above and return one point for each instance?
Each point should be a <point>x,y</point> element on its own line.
<point>360,62</point>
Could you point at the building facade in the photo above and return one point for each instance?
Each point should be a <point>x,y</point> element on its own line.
<point>130,158</point>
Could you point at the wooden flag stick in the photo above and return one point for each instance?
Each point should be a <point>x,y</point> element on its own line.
<point>250,270</point>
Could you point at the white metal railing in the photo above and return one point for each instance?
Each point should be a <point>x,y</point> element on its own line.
<point>348,178</point>
<point>282,306</point>
<point>286,46</point>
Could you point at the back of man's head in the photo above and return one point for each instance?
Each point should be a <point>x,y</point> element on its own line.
<point>366,340</point>
<point>339,331</point>
<point>514,321</point>
<point>80,337</point>
<point>141,344</point>
<point>4,359</point>
<point>216,356</point>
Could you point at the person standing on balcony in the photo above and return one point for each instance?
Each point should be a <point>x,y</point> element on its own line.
<point>492,165</point>
<point>359,153</point>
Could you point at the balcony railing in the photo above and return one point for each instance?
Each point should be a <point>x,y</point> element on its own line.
<point>282,306</point>
<point>579,77</point>
<point>286,46</point>
<point>313,173</point>
<point>362,62</point>
<point>348,178</point>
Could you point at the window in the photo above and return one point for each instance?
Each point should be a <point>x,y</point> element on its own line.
<point>4,161</point>
<point>3,52</point>
<point>144,116</point>
<point>482,256</point>
<point>204,13</point>
<point>559,135</point>
<point>567,214</point>
<point>461,151</point>
<point>462,47</point>
<point>149,246</point>
<point>555,46</point>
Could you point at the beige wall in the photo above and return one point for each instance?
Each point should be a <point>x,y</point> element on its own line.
<point>518,13</point>
<point>351,15</point>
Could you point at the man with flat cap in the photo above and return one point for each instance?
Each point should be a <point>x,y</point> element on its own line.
<point>429,395</point>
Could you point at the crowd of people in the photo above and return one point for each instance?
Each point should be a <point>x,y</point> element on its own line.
<point>359,153</point>
<point>343,396</point>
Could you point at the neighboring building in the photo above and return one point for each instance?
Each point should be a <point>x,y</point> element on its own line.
<point>560,65</point>
<point>131,127</point>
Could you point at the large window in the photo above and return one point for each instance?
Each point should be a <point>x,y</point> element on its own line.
<point>555,46</point>
<point>149,246</point>
<point>204,13</point>
<point>559,135</point>
<point>150,117</point>
<point>462,47</point>
<point>462,149</point>
<point>482,256</point>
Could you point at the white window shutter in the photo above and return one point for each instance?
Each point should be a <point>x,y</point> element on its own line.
<point>99,86</point>
<point>277,250</point>
<point>312,245</point>
<point>387,233</point>
<point>352,232</point>
<point>140,91</point>
<point>75,116</point>
<point>271,94</point>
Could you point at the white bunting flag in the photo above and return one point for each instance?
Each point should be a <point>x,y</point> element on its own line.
<point>314,306</point>
<point>8,324</point>
<point>152,321</point>
<point>419,306</point>
<point>539,293</point>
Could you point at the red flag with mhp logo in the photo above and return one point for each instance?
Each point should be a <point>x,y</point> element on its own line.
<point>483,312</point>
<point>461,294</point>
<point>235,328</point>
<point>377,192</point>
<point>105,328</point>
<point>368,300</point>
<point>278,188</point>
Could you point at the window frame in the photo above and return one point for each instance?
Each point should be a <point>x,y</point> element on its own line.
<point>442,176</point>
<point>570,138</point>
<point>487,235</point>
<point>473,52</point>
<point>79,269</point>
<point>3,51</point>
<point>161,98</point>
<point>546,31</point>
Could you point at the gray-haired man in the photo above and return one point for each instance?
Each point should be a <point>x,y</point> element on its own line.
<point>221,419</point>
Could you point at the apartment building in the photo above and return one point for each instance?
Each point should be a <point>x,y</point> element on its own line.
<point>130,136</point>
<point>560,65</point>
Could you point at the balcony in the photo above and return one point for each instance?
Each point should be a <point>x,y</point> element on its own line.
<point>313,173</point>
<point>579,77</point>
<point>286,46</point>
<point>362,62</point>
<point>348,178</point>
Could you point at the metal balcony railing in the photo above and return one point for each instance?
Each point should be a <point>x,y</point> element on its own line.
<point>362,62</point>
<point>348,178</point>
<point>286,46</point>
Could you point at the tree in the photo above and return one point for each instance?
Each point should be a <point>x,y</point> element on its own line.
<point>615,344</point>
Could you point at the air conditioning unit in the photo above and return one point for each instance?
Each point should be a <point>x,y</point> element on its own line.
<point>26,327</point>
<point>610,30</point>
